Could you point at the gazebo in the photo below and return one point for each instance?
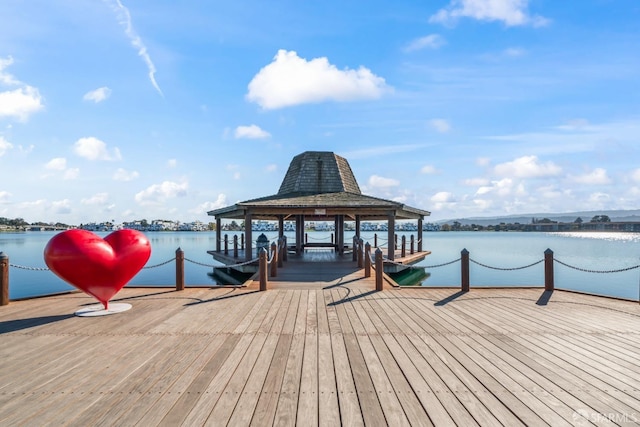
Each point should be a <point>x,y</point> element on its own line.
<point>319,186</point>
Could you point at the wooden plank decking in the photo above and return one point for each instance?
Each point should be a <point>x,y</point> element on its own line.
<point>342,355</point>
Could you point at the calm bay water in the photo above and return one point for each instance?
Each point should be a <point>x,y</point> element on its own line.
<point>593,251</point>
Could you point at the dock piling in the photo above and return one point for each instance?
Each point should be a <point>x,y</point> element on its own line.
<point>367,260</point>
<point>379,269</point>
<point>235,246</point>
<point>464,270</point>
<point>548,270</point>
<point>179,270</point>
<point>4,279</point>
<point>274,259</point>
<point>262,269</point>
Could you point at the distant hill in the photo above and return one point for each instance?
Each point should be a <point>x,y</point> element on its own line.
<point>615,215</point>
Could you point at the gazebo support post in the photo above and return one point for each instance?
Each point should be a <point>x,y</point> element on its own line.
<point>391,233</point>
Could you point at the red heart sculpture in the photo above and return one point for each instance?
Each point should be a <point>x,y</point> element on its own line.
<point>99,267</point>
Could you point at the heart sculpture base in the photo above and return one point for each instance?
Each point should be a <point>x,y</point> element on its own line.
<point>99,310</point>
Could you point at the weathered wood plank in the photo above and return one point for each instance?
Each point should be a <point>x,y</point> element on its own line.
<point>367,394</point>
<point>344,355</point>
<point>350,412</point>
<point>306,410</point>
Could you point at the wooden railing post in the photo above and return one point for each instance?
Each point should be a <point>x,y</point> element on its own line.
<point>274,259</point>
<point>360,254</point>
<point>464,270</point>
<point>367,260</point>
<point>379,269</point>
<point>412,244</point>
<point>395,242</point>
<point>226,244</point>
<point>548,270</point>
<point>285,249</point>
<point>354,256</point>
<point>242,241</point>
<point>403,251</point>
<point>235,246</point>
<point>262,269</point>
<point>179,269</point>
<point>4,279</point>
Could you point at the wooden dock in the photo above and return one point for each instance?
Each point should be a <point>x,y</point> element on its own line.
<point>325,355</point>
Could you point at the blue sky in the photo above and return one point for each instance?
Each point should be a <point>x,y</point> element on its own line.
<point>130,109</point>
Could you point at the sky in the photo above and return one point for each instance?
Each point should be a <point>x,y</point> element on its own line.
<point>117,110</point>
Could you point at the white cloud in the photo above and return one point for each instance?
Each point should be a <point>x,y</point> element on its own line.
<point>502,188</point>
<point>483,161</point>
<point>635,175</point>
<point>71,174</point>
<point>432,41</point>
<point>440,125</point>
<point>5,196</point>
<point>596,177</point>
<point>92,148</point>
<point>271,168</point>
<point>61,206</point>
<point>527,167</point>
<point>510,12</point>
<point>599,200</point>
<point>125,175</point>
<point>429,170</point>
<point>172,163</point>
<point>98,95</point>
<point>251,132</point>
<point>56,164</point>
<point>205,207</point>
<point>124,18</point>
<point>475,182</point>
<point>4,146</point>
<point>20,103</point>
<point>96,199</point>
<point>158,193</point>
<point>5,77</point>
<point>376,181</point>
<point>290,80</point>
<point>443,197</point>
<point>442,200</point>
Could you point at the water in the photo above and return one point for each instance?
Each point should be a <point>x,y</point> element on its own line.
<point>594,251</point>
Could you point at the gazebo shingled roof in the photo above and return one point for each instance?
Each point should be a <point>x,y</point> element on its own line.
<point>319,184</point>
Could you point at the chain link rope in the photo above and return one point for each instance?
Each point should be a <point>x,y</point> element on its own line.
<point>508,268</point>
<point>159,265</point>
<point>22,267</point>
<point>585,270</point>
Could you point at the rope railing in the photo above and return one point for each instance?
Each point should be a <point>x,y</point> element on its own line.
<point>274,253</point>
<point>159,265</point>
<point>585,270</point>
<point>319,238</point>
<point>443,264</point>
<point>23,267</point>
<point>506,268</point>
